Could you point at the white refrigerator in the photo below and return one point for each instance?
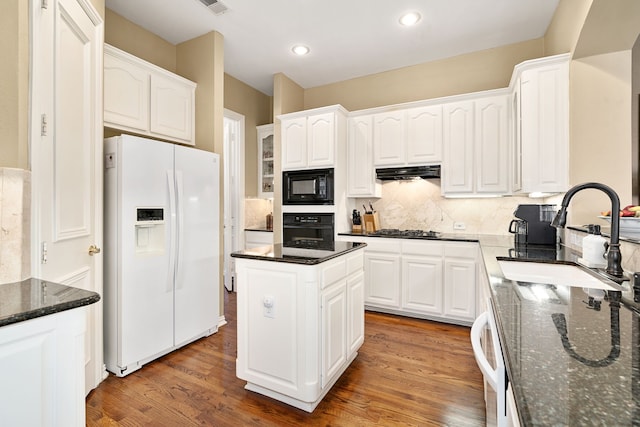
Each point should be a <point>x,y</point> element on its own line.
<point>161,243</point>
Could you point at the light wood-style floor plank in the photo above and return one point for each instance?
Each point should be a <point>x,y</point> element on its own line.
<point>409,372</point>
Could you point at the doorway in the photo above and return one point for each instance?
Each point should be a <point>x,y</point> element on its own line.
<point>233,191</point>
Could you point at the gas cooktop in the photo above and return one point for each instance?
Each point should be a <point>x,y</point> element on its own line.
<point>394,232</point>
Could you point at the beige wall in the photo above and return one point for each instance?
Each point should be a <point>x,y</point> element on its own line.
<point>14,84</point>
<point>565,27</point>
<point>256,107</point>
<point>473,72</point>
<point>125,35</point>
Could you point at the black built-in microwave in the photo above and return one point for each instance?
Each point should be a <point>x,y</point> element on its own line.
<point>307,187</point>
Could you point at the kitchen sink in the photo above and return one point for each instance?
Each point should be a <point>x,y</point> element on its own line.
<point>555,274</point>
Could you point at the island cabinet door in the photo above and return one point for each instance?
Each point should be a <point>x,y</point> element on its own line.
<point>334,330</point>
<point>355,312</point>
<point>269,327</point>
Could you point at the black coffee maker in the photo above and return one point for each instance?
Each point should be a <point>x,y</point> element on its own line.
<point>534,225</point>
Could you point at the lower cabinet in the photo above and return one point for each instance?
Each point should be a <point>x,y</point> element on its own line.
<point>42,364</point>
<point>421,278</point>
<point>299,326</point>
<point>382,274</point>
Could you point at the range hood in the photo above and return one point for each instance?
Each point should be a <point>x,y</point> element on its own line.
<point>408,172</point>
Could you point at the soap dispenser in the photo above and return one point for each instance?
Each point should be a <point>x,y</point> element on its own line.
<point>594,248</point>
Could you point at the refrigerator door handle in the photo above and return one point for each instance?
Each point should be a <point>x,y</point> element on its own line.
<point>180,229</point>
<point>172,230</point>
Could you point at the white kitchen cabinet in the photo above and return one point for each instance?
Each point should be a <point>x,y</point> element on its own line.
<point>411,136</point>
<point>382,274</point>
<point>491,141</point>
<point>265,161</point>
<point>422,277</point>
<point>310,138</point>
<point>334,327</point>
<point>543,86</point>
<point>460,278</point>
<point>255,238</point>
<point>142,98</point>
<point>424,135</point>
<point>300,328</point>
<point>389,147</point>
<point>430,279</point>
<point>42,363</point>
<point>355,304</point>
<point>477,146</point>
<point>458,155</point>
<point>361,174</point>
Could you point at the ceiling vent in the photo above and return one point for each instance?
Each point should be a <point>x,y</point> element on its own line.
<point>216,6</point>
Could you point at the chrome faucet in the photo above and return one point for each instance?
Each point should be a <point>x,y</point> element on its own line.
<point>614,257</point>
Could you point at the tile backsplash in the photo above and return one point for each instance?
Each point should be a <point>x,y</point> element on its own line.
<point>15,219</point>
<point>255,212</point>
<point>419,205</point>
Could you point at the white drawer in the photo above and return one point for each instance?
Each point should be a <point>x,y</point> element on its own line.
<point>333,272</point>
<point>422,247</point>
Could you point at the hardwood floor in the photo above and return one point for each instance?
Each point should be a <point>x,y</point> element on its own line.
<point>408,372</point>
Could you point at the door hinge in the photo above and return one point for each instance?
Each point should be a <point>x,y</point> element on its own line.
<point>44,4</point>
<point>43,253</point>
<point>43,124</point>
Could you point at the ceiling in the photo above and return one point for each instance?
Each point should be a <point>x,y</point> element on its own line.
<point>347,38</point>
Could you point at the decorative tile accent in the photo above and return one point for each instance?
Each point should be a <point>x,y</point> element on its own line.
<point>15,220</point>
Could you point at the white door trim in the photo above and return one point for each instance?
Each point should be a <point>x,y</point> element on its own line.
<point>42,102</point>
<point>236,165</point>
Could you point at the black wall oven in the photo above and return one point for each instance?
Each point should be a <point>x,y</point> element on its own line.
<point>307,187</point>
<point>308,231</point>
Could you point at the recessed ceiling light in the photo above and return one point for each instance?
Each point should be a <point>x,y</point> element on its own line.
<point>300,49</point>
<point>410,18</point>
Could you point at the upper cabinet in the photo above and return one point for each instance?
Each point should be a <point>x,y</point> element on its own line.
<point>541,125</point>
<point>310,138</point>
<point>411,136</point>
<point>142,98</point>
<point>265,161</point>
<point>361,173</point>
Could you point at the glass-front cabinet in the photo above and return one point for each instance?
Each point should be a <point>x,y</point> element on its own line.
<point>265,161</point>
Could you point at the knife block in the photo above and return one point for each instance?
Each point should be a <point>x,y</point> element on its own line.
<point>371,222</point>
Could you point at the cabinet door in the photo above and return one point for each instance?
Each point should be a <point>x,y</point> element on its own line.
<point>544,94</point>
<point>334,330</point>
<point>172,108</point>
<point>389,138</point>
<point>382,278</point>
<point>294,143</point>
<point>457,163</point>
<point>265,161</point>
<point>424,135</point>
<point>460,288</point>
<point>422,284</point>
<point>355,312</point>
<point>361,178</point>
<point>126,94</point>
<point>516,136</point>
<point>321,140</point>
<point>491,145</point>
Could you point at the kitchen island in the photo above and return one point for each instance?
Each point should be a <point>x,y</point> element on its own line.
<point>300,319</point>
<point>42,359</point>
<point>581,369</point>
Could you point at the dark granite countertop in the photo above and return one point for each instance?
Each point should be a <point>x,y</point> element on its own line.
<point>594,378</point>
<point>279,253</point>
<point>32,298</point>
<point>442,236</point>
